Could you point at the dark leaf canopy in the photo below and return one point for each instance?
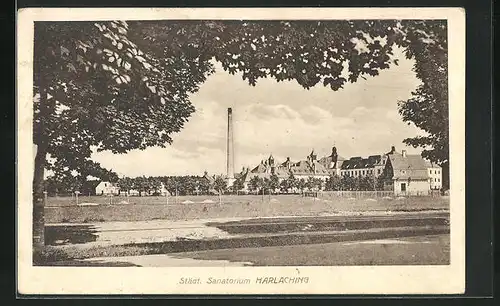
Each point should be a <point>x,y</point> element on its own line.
<point>121,86</point>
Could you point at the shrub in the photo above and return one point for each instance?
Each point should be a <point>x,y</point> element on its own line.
<point>48,255</point>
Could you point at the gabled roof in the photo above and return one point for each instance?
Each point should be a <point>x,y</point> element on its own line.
<point>209,178</point>
<point>260,168</point>
<point>281,171</point>
<point>107,182</point>
<point>410,167</point>
<point>328,159</point>
<point>415,162</point>
<point>362,163</point>
<point>418,175</point>
<point>92,183</point>
<point>305,168</point>
<point>242,175</point>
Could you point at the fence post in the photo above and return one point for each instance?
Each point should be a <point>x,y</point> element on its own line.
<point>45,198</point>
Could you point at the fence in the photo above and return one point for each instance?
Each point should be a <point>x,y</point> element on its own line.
<point>376,194</point>
<point>356,194</point>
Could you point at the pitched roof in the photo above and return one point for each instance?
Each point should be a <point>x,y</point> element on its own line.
<point>243,174</point>
<point>328,159</point>
<point>361,163</point>
<point>419,175</point>
<point>209,178</point>
<point>260,168</point>
<point>415,162</point>
<point>305,168</point>
<point>281,171</point>
<point>92,183</point>
<point>414,166</point>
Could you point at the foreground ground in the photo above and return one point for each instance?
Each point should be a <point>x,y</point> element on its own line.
<point>428,250</point>
<point>98,209</point>
<point>295,240</point>
<point>248,230</point>
<point>424,250</point>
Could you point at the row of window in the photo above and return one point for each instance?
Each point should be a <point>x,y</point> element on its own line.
<point>434,171</point>
<point>360,172</point>
<point>437,180</point>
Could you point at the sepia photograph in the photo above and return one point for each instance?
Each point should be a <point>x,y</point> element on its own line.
<point>230,142</point>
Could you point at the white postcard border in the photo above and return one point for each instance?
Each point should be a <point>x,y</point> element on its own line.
<point>322,280</point>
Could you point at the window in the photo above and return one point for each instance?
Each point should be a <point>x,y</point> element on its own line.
<point>363,172</point>
<point>378,171</point>
<point>430,171</point>
<point>435,179</point>
<point>403,187</point>
<point>439,180</point>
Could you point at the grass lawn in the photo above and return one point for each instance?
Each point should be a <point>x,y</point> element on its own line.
<point>278,242</point>
<point>65,210</point>
<point>426,250</point>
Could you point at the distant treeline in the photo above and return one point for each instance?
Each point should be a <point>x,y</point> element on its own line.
<point>333,183</point>
<point>192,185</point>
<point>181,185</point>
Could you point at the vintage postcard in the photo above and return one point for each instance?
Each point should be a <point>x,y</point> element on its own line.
<point>241,151</point>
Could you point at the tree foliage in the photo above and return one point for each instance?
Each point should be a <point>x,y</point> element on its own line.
<point>274,182</point>
<point>255,184</point>
<point>333,183</point>
<point>426,42</point>
<point>96,89</point>
<point>220,184</point>
<point>119,86</point>
<point>238,184</point>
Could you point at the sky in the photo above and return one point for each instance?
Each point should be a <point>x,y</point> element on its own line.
<point>282,119</point>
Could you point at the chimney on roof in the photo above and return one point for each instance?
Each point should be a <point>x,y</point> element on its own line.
<point>393,149</point>
<point>403,152</point>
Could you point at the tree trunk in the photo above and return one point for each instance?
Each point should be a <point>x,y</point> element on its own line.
<point>38,198</point>
<point>38,186</point>
<point>445,167</point>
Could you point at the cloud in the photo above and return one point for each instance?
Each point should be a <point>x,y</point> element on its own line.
<point>162,161</point>
<point>279,118</point>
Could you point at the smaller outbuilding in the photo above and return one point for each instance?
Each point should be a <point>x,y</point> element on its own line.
<point>107,188</point>
<point>411,175</point>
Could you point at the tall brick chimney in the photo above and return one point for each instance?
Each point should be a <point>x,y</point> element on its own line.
<point>230,151</point>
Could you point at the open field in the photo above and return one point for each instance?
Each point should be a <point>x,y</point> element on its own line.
<point>129,232</point>
<point>65,210</point>
<point>427,250</point>
<point>419,250</point>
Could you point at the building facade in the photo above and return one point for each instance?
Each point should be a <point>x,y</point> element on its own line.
<point>411,174</point>
<point>399,172</point>
<point>107,188</point>
<point>310,167</point>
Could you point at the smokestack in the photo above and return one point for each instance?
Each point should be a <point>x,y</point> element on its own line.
<point>230,152</point>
